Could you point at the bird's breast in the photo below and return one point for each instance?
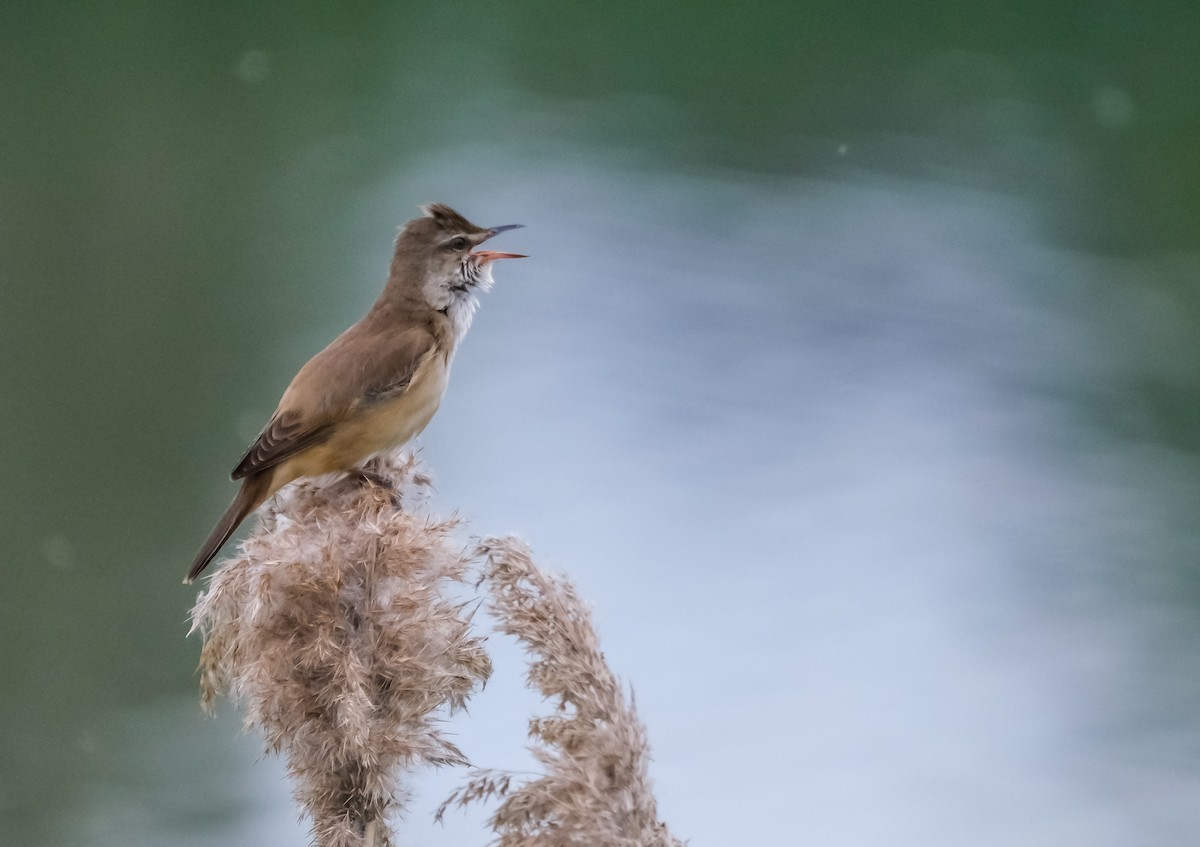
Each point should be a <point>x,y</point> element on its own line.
<point>393,420</point>
<point>378,426</point>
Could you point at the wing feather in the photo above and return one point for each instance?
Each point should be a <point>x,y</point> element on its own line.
<point>284,436</point>
<point>351,372</point>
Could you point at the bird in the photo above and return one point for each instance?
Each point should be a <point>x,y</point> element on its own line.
<point>378,384</point>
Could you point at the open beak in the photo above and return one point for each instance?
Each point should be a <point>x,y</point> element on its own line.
<point>486,256</point>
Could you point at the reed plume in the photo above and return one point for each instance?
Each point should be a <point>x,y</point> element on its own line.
<point>335,630</point>
<point>595,789</point>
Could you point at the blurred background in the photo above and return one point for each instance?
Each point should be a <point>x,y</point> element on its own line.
<point>854,376</point>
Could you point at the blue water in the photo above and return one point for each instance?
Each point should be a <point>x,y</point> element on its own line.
<point>858,397</point>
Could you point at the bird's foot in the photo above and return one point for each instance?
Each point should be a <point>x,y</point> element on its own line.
<point>370,477</point>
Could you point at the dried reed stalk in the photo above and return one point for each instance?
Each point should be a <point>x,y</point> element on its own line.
<point>596,790</point>
<point>333,627</point>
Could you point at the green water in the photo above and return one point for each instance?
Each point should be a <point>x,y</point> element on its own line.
<point>738,217</point>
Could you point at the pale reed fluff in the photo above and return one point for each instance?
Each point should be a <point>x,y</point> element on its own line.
<point>595,789</point>
<point>334,629</point>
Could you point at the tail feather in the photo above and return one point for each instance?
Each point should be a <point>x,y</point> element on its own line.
<point>249,498</point>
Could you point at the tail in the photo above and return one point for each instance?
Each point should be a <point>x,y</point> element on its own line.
<point>254,491</point>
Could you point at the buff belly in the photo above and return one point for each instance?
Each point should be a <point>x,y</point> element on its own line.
<point>382,425</point>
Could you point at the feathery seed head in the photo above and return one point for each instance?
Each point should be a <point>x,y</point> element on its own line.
<point>334,629</point>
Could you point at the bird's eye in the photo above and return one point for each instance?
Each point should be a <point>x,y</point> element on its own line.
<point>458,243</point>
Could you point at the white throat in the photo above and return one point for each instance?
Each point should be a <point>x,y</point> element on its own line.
<point>463,302</point>
<point>461,311</point>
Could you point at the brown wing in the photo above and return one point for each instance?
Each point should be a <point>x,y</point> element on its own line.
<point>284,436</point>
<point>362,366</point>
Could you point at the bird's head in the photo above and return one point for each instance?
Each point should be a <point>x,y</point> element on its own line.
<point>438,253</point>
